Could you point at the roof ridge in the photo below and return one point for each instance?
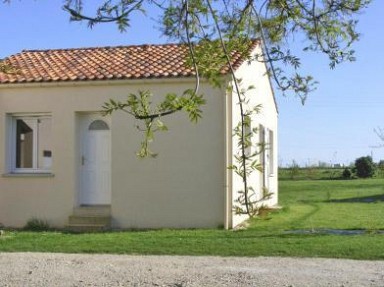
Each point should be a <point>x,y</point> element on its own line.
<point>102,47</point>
<point>254,41</point>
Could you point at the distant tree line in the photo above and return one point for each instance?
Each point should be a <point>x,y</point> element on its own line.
<point>362,167</point>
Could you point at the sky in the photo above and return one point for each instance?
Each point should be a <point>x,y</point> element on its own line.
<point>336,124</point>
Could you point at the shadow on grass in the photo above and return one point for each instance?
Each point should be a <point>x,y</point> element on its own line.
<point>328,231</point>
<point>362,199</point>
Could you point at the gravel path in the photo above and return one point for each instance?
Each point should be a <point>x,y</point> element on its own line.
<point>50,269</point>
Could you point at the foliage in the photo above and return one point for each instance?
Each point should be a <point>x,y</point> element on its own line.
<point>294,169</point>
<point>380,168</point>
<point>380,133</point>
<point>327,26</point>
<point>365,167</point>
<point>36,224</point>
<point>347,173</point>
<point>139,106</point>
<point>7,68</point>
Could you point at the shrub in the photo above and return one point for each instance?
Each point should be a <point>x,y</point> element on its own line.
<point>36,224</point>
<point>294,170</point>
<point>365,167</point>
<point>347,174</point>
<point>380,167</point>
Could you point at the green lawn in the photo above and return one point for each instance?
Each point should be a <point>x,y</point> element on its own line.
<point>308,205</point>
<point>309,173</point>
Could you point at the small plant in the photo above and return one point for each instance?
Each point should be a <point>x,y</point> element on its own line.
<point>380,167</point>
<point>264,212</point>
<point>347,174</point>
<point>311,172</point>
<point>36,224</point>
<point>294,170</point>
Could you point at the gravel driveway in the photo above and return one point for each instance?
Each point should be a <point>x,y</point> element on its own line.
<point>50,269</point>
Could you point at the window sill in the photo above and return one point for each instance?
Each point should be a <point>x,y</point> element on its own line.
<point>31,174</point>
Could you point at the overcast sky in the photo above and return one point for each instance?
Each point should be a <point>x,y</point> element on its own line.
<point>336,125</point>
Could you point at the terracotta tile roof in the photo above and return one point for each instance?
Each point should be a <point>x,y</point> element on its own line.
<point>103,63</point>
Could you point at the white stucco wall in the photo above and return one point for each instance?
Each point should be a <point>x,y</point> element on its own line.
<point>183,187</point>
<point>254,74</point>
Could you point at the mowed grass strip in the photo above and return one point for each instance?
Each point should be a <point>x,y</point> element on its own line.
<point>307,205</point>
<point>201,242</point>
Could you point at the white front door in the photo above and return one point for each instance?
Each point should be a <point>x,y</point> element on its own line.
<point>95,160</point>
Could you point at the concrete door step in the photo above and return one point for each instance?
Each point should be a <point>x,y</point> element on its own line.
<point>90,218</point>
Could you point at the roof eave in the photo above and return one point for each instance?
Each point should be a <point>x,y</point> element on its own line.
<point>100,82</point>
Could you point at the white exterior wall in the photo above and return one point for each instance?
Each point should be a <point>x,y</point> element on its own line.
<point>183,187</point>
<point>254,74</point>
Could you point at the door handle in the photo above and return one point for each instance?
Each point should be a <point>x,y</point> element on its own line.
<point>82,160</point>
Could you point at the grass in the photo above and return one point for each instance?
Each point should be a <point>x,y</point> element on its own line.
<point>310,173</point>
<point>309,205</point>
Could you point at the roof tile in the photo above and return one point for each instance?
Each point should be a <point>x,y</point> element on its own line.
<point>103,63</point>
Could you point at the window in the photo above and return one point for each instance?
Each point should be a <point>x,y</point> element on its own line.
<point>263,147</point>
<point>271,152</point>
<point>30,143</point>
<point>267,155</point>
<point>98,125</point>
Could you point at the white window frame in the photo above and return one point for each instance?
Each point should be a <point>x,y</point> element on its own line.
<point>11,147</point>
<point>270,153</point>
<point>271,146</point>
<point>263,154</point>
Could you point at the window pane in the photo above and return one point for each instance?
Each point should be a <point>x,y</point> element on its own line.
<point>44,153</point>
<point>98,125</point>
<point>24,143</point>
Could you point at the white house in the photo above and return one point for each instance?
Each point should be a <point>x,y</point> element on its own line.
<point>63,162</point>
